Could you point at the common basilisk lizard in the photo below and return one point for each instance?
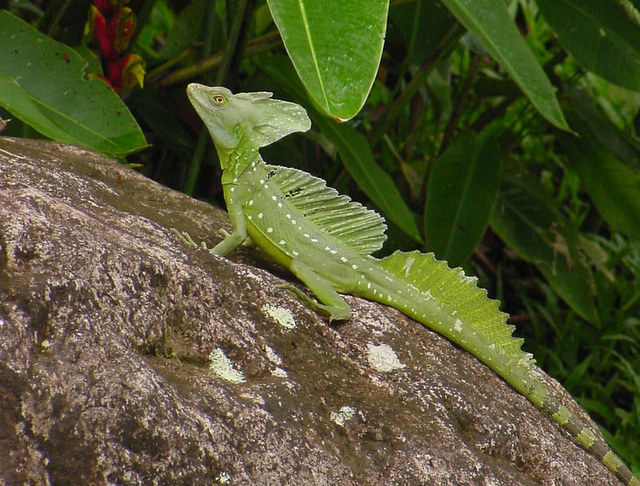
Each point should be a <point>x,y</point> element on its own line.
<point>326,241</point>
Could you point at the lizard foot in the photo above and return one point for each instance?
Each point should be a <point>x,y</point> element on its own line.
<point>335,313</point>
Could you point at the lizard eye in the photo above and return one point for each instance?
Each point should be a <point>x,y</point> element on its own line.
<point>219,100</point>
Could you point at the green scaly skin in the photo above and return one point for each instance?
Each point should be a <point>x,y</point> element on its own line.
<point>325,240</point>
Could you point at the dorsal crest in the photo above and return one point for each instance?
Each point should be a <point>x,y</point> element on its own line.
<point>359,228</point>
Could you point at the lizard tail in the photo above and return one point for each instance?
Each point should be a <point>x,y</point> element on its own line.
<point>451,304</point>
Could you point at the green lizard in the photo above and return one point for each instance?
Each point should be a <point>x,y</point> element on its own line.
<point>326,241</point>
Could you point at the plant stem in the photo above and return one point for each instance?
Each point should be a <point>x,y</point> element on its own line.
<point>255,46</point>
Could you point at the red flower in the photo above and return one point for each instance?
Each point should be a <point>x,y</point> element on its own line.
<point>126,72</point>
<point>109,6</point>
<point>96,28</point>
<point>121,28</point>
<point>112,25</point>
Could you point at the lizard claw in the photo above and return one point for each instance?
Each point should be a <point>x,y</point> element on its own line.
<point>187,240</point>
<point>185,237</point>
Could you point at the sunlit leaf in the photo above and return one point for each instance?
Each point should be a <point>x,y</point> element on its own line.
<point>335,46</point>
<point>490,23</point>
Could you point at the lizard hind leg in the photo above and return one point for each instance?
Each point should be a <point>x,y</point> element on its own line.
<point>329,301</point>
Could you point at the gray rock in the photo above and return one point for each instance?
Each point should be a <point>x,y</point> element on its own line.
<point>107,322</point>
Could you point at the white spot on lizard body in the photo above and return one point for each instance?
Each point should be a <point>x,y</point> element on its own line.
<point>407,266</point>
<point>527,360</point>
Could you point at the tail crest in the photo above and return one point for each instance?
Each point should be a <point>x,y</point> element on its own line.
<point>460,297</point>
<point>484,332</point>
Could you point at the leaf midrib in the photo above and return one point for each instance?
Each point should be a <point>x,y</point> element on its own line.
<point>314,57</point>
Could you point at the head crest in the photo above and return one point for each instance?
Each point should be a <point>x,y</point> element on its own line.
<point>263,120</point>
<point>270,120</point>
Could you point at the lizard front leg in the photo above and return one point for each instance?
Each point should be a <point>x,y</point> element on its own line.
<point>239,235</point>
<point>230,242</point>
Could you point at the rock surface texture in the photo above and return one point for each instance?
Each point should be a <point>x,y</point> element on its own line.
<point>127,357</point>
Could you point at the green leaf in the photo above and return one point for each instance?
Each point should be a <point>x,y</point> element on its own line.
<point>601,35</point>
<point>185,30</point>
<point>94,66</point>
<point>524,218</point>
<point>423,25</point>
<point>23,106</point>
<point>462,189</point>
<point>612,186</point>
<point>622,145</point>
<point>335,46</point>
<point>42,83</point>
<point>490,23</point>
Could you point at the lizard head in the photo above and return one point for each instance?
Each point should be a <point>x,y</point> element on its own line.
<point>253,118</point>
<point>214,106</point>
